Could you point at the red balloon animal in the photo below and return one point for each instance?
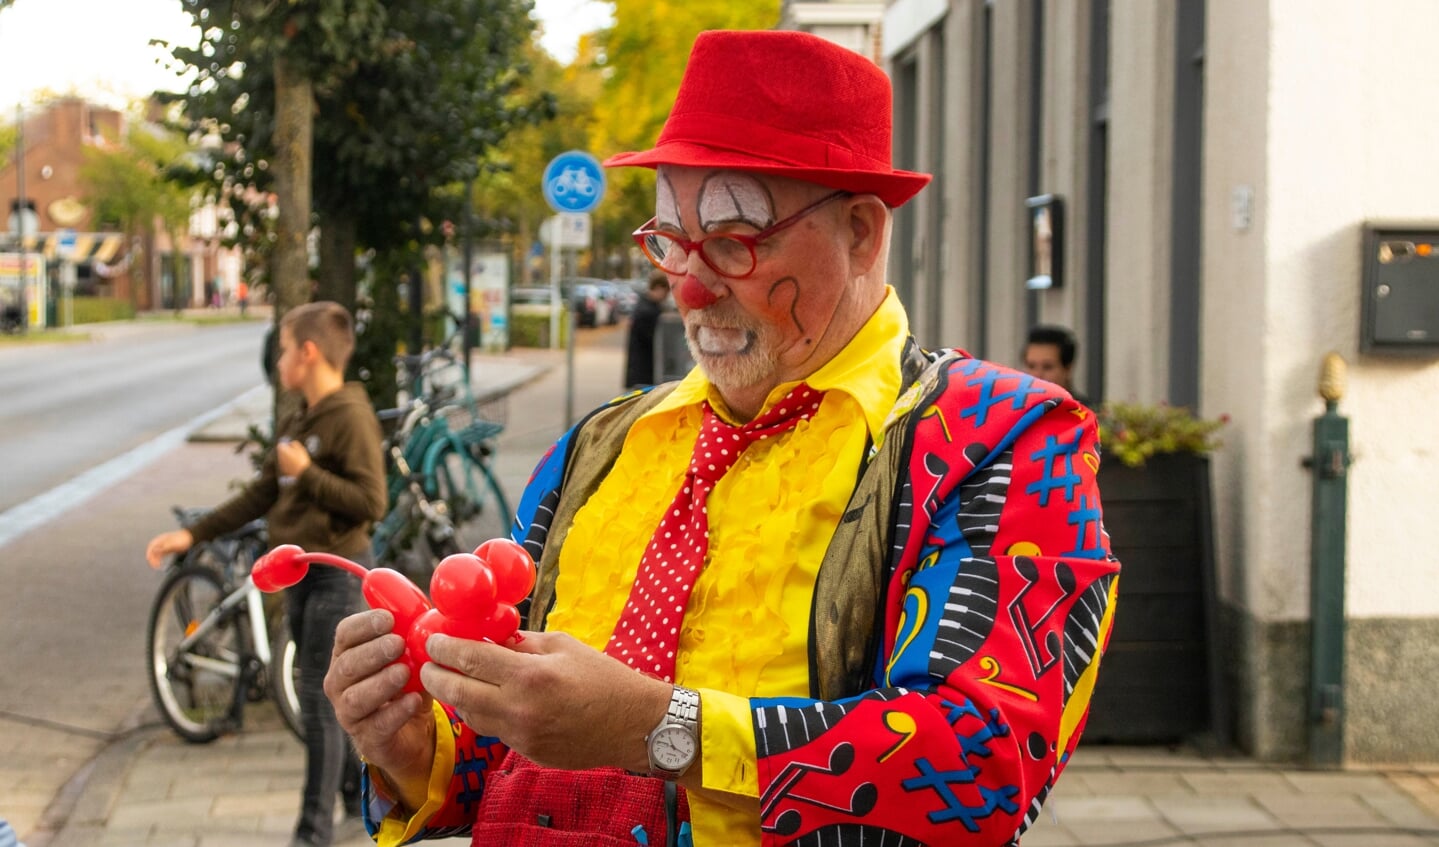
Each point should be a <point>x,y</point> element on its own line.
<point>474,593</point>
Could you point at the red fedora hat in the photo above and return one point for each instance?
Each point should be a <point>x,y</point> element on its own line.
<point>784,103</point>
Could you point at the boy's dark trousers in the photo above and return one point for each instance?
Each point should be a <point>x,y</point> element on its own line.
<point>316,606</point>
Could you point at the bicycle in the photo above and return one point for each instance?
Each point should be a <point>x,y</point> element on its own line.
<point>444,497</point>
<point>213,644</point>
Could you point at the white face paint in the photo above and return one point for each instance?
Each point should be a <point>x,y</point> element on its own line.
<point>734,198</point>
<point>726,199</point>
<point>749,335</point>
<point>667,208</point>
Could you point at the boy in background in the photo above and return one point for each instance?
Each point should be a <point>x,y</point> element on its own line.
<point>321,487</point>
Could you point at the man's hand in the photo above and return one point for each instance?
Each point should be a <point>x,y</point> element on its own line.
<point>291,457</point>
<point>550,698</point>
<point>392,730</point>
<point>162,545</point>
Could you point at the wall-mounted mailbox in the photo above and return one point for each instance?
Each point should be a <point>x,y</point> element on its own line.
<point>1400,312</point>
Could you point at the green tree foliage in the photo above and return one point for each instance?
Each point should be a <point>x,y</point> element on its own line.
<point>259,67</point>
<point>133,185</point>
<point>643,57</point>
<point>409,96</point>
<point>508,199</point>
<point>7,133</point>
<point>7,144</point>
<point>431,92</point>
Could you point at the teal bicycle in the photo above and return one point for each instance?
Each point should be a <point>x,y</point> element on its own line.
<point>444,496</point>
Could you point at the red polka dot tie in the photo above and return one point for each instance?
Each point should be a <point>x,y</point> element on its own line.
<point>648,632</point>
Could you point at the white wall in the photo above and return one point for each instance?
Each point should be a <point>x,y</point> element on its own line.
<point>1233,325</point>
<point>1141,145</point>
<point>1351,135</point>
<point>1064,134</point>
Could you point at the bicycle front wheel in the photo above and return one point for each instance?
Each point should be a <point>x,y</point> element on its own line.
<point>194,654</point>
<point>474,498</point>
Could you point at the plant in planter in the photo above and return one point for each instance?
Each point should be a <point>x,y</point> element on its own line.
<point>1133,432</point>
<point>1159,682</point>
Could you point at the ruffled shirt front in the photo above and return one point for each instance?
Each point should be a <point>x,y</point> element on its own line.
<point>771,518</point>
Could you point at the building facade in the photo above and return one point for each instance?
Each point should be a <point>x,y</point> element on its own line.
<point>59,226</point>
<point>1215,167</point>
<point>84,255</point>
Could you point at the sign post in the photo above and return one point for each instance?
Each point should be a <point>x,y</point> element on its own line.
<point>573,185</point>
<point>65,251</point>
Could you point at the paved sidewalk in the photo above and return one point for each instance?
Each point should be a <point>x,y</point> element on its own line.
<point>151,789</point>
<point>1155,795</point>
<point>154,790</point>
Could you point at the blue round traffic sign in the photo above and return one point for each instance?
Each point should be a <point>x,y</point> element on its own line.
<point>574,182</point>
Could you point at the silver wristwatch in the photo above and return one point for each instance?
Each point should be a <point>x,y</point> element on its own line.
<point>674,744</point>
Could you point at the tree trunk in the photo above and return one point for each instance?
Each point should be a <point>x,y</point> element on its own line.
<point>337,257</point>
<point>294,125</point>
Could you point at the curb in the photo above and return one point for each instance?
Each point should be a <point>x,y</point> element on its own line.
<point>85,803</point>
<point>77,816</point>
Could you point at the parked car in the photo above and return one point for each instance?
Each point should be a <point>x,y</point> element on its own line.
<point>592,300</point>
<point>593,303</point>
<point>624,296</point>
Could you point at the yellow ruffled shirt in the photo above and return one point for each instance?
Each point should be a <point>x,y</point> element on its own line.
<point>746,629</point>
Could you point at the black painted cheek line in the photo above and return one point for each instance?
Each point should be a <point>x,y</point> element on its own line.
<point>794,302</point>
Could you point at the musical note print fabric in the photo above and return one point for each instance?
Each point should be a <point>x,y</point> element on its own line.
<point>999,600</point>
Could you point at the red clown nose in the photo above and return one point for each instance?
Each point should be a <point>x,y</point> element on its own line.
<point>692,294</point>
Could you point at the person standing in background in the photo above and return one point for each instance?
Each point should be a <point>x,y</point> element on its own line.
<point>1049,353</point>
<point>640,363</point>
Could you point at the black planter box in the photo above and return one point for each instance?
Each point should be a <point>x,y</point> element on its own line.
<point>1156,683</point>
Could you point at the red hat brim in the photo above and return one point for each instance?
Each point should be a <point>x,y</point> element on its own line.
<point>894,187</point>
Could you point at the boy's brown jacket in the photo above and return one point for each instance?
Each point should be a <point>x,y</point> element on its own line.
<point>331,506</point>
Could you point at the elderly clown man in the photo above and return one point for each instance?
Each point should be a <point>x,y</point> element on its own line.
<point>829,588</point>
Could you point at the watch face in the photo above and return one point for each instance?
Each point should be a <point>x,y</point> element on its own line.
<point>672,747</point>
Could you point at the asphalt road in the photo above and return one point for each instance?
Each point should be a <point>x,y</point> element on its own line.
<point>68,407</point>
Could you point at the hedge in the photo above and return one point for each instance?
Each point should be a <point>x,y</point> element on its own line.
<point>89,310</point>
<point>533,330</point>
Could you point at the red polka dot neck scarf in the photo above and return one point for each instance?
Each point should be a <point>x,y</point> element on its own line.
<point>648,632</point>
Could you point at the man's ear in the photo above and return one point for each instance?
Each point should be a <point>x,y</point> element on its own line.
<point>868,219</point>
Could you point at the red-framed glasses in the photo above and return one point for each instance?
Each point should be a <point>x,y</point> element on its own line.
<point>729,254</point>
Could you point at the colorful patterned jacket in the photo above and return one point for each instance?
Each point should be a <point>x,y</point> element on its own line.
<point>957,625</point>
